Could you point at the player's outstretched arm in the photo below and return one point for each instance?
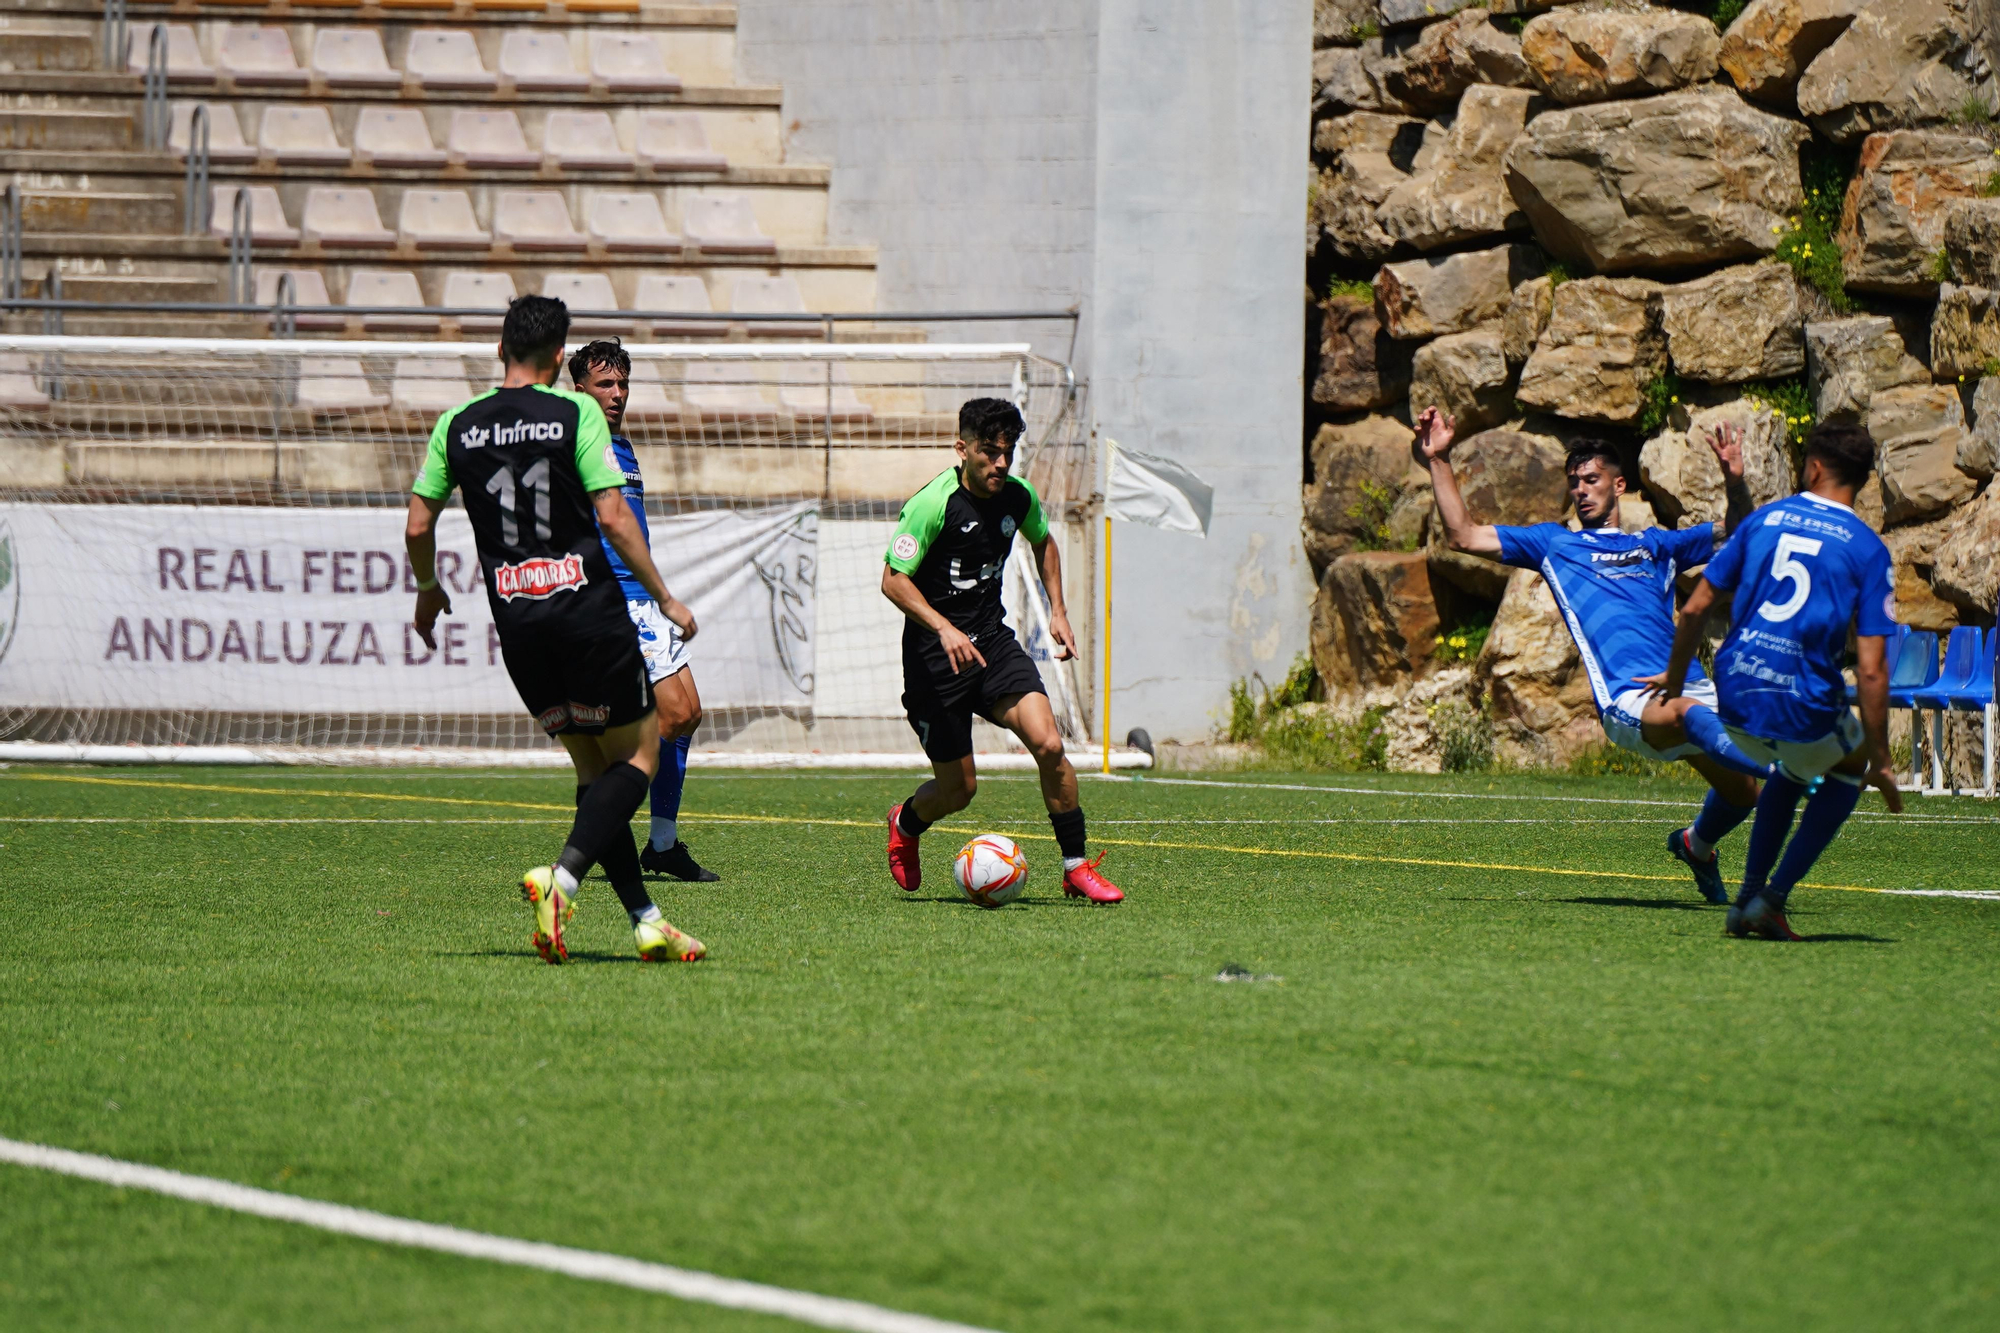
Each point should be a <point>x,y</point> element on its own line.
<point>1435,432</point>
<point>420,541</point>
<point>1871,682</point>
<point>615,521</point>
<point>1048,559</point>
<point>1687,637</point>
<point>1726,442</point>
<point>902,590</point>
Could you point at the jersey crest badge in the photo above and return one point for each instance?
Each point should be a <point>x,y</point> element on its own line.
<point>538,578</point>
<point>1007,527</point>
<point>904,547</point>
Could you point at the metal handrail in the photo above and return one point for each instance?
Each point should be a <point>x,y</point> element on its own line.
<point>117,40</point>
<point>197,210</point>
<point>52,319</point>
<point>284,324</point>
<point>241,289</point>
<point>720,317</point>
<point>154,118</point>
<point>10,244</point>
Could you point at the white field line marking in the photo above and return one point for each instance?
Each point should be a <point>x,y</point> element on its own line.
<point>685,1283</point>
<point>1584,821</point>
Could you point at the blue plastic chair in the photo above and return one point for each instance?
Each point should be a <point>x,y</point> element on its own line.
<point>1891,651</point>
<point>1915,668</point>
<point>1979,697</point>
<point>1963,656</point>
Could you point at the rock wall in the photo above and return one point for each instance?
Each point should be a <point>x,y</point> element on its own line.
<point>1613,220</point>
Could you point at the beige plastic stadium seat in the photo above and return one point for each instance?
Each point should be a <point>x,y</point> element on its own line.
<point>773,296</point>
<point>336,384</point>
<point>428,384</point>
<point>534,220</point>
<point>803,392</point>
<point>651,398</point>
<point>268,225</point>
<point>678,291</point>
<point>388,287</point>
<point>622,220</point>
<point>491,139</point>
<point>353,58</point>
<point>631,63</point>
<point>17,384</point>
<point>184,62</point>
<point>262,56</point>
<point>586,291</point>
<point>394,136</point>
<point>727,391</point>
<point>676,141</point>
<point>540,62</point>
<point>724,223</point>
<point>583,141</point>
<point>447,58</point>
<point>308,288</point>
<point>344,217</point>
<point>225,133</point>
<point>469,289</point>
<point>300,136</point>
<point>441,220</point>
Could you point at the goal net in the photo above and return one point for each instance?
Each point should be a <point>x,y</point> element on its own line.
<point>201,543</point>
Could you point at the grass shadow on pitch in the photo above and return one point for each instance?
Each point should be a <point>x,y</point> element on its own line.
<point>954,900</point>
<point>1649,904</point>
<point>529,955</point>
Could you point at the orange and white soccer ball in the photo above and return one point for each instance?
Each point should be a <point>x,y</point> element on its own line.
<point>991,870</point>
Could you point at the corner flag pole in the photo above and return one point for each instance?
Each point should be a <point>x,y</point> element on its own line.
<point>1107,643</point>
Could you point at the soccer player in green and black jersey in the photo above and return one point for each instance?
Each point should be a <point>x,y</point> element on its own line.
<point>535,467</point>
<point>942,571</point>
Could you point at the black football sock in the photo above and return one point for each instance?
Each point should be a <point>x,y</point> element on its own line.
<point>620,859</point>
<point>910,821</point>
<point>604,809</point>
<point>1069,832</point>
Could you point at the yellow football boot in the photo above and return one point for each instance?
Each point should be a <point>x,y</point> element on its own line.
<point>659,942</point>
<point>553,909</point>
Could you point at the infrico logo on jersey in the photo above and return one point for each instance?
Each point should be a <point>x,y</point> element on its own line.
<point>538,578</point>
<point>477,437</point>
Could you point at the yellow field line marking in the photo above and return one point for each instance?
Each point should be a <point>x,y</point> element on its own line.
<point>1296,853</point>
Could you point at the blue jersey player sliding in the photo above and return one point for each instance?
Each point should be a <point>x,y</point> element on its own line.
<point>1616,593</point>
<point>604,371</point>
<point>1802,573</point>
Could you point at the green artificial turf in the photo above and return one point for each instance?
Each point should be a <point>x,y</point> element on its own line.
<point>1468,1097</point>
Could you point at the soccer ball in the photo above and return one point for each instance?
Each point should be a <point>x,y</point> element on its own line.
<point>991,870</point>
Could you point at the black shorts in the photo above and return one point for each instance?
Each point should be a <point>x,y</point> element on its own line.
<point>941,705</point>
<point>584,682</point>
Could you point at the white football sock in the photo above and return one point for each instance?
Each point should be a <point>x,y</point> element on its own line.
<point>666,832</point>
<point>564,880</point>
<point>1071,862</point>
<point>1702,850</point>
<point>651,913</point>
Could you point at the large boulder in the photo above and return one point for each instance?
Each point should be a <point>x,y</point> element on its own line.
<point>1423,298</point>
<point>1743,323</point>
<point>1349,460</point>
<point>1458,191</point>
<point>1368,155</point>
<point>1899,64</point>
<point>1355,78</point>
<point>1374,621</point>
<point>1542,707</point>
<point>1972,240</point>
<point>1413,13</point>
<point>1965,331</point>
<point>1360,366</point>
<point>1682,475</point>
<point>1979,451</point>
<point>1506,476</point>
<point>1917,431</point>
<point>1602,346</point>
<point>1966,568</point>
<point>1771,42</point>
<point>1849,360</point>
<point>1580,54</point>
<point>1527,315</point>
<point>1912,557</point>
<point>1449,57</point>
<point>1689,178</point>
<point>1893,222</point>
<point>1465,376</point>
<point>1341,22</point>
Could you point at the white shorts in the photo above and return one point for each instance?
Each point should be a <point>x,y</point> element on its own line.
<point>1802,761</point>
<point>660,641</point>
<point>1621,720</point>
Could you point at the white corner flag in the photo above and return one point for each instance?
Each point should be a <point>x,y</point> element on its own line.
<point>1144,488</point>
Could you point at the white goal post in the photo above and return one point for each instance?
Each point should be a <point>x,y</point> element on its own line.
<point>201,545</point>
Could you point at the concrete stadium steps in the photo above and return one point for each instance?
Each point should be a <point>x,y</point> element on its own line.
<point>66,131</point>
<point>39,49</point>
<point>62,212</point>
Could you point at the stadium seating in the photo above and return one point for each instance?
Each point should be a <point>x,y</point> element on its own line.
<point>259,57</point>
<point>300,136</point>
<point>184,61</point>
<point>344,218</point>
<point>225,133</point>
<point>773,296</point>
<point>677,291</point>
<point>724,224</point>
<point>388,287</point>
<point>440,220</point>
<point>389,136</point>
<point>650,399</point>
<point>466,289</point>
<point>587,291</point>
<point>805,393</point>
<point>308,288</point>
<point>17,384</point>
<point>534,220</point>
<point>583,141</point>
<point>268,225</point>
<point>676,141</point>
<point>726,391</point>
<point>353,58</point>
<point>540,62</point>
<point>427,385</point>
<point>334,384</point>
<point>447,58</point>
<point>1966,657</point>
<point>490,139</point>
<point>622,220</point>
<point>631,63</point>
